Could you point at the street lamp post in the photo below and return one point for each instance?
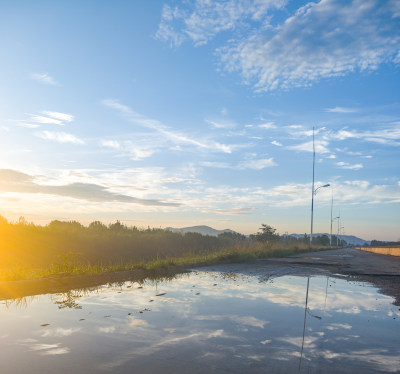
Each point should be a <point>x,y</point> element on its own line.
<point>312,188</point>
<point>314,191</point>
<point>337,238</point>
<point>330,236</point>
<point>312,208</point>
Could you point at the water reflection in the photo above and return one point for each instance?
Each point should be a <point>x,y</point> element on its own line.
<point>205,322</point>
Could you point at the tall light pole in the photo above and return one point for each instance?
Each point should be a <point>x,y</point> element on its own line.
<point>312,188</point>
<point>314,191</point>
<point>337,239</point>
<point>330,237</point>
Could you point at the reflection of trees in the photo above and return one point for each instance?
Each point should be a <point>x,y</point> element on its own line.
<point>69,300</point>
<point>19,302</point>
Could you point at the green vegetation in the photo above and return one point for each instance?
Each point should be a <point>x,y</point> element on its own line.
<point>29,251</point>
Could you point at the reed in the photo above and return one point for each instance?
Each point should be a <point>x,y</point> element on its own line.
<point>72,264</point>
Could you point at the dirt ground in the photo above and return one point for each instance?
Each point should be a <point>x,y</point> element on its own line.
<point>380,270</point>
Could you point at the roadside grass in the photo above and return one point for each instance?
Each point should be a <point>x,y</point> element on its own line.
<point>70,263</point>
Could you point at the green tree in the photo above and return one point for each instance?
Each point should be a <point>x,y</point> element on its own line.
<point>266,234</point>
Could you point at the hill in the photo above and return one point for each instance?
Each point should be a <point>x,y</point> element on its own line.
<point>204,230</point>
<point>350,239</point>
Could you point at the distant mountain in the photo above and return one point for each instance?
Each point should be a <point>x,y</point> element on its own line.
<point>204,230</point>
<point>350,239</point>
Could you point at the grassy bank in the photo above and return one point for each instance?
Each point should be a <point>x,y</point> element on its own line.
<point>29,251</point>
<point>72,264</point>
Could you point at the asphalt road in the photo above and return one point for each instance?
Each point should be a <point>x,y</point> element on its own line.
<point>347,261</point>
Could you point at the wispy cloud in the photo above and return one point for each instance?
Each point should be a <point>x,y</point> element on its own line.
<point>231,211</point>
<point>346,165</point>
<point>340,109</point>
<point>320,40</point>
<point>222,124</point>
<point>60,137</point>
<point>389,135</point>
<point>321,146</point>
<point>214,164</point>
<point>274,142</point>
<point>45,117</point>
<point>45,120</point>
<point>110,144</point>
<point>15,181</point>
<point>257,164</point>
<point>267,125</point>
<point>44,78</point>
<point>169,134</point>
<point>139,154</point>
<point>58,115</point>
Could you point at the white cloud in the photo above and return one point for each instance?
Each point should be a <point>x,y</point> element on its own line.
<point>140,154</point>
<point>44,78</point>
<point>389,136</point>
<point>257,164</point>
<point>201,20</point>
<point>340,109</point>
<point>320,147</point>
<point>346,165</point>
<point>46,120</point>
<point>274,142</point>
<point>220,165</point>
<point>110,144</point>
<point>60,137</point>
<point>267,125</point>
<point>58,115</point>
<point>324,39</point>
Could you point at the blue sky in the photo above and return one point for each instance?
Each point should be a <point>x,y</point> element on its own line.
<point>180,113</point>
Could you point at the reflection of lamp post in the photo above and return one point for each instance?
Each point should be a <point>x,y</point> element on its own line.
<point>305,319</point>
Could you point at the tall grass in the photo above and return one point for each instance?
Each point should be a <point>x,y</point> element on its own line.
<point>73,264</point>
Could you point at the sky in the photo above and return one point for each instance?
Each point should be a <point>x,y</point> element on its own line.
<point>181,113</point>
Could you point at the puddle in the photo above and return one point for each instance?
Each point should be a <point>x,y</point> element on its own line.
<point>205,322</point>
